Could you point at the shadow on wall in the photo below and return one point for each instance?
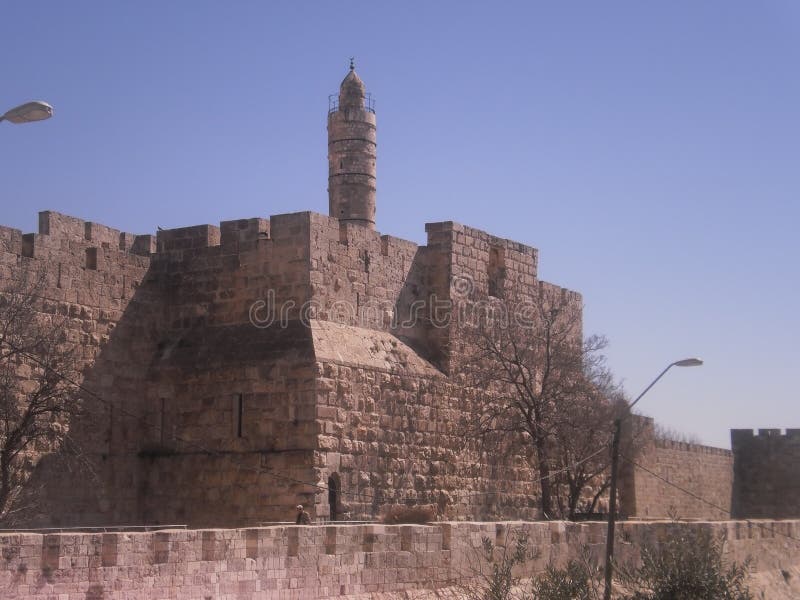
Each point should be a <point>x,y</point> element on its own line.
<point>413,311</point>
<point>96,479</point>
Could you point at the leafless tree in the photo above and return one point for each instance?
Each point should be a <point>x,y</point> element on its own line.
<point>546,387</point>
<point>669,434</point>
<point>37,400</point>
<point>581,456</point>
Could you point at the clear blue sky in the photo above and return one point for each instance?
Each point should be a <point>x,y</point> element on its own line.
<point>650,150</point>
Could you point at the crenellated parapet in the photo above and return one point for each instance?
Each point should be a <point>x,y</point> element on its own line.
<point>742,437</point>
<point>305,265</point>
<point>86,263</point>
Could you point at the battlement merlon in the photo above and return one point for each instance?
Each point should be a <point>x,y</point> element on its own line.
<point>471,242</point>
<point>746,436</point>
<point>10,240</point>
<point>71,241</point>
<point>64,228</point>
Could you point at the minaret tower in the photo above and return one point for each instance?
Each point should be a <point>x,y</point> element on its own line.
<point>352,153</point>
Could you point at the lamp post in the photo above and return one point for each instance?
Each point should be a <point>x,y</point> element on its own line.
<point>28,112</point>
<point>612,501</point>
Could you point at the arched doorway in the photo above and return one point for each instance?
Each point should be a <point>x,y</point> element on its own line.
<point>333,496</point>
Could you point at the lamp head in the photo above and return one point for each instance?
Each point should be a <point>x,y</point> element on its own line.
<point>688,362</point>
<point>28,112</point>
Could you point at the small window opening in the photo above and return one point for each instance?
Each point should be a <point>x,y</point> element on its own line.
<point>163,428</point>
<point>497,271</point>
<point>91,259</point>
<point>239,414</point>
<point>333,497</point>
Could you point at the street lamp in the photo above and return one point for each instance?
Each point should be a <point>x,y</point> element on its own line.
<point>28,112</point>
<point>612,501</point>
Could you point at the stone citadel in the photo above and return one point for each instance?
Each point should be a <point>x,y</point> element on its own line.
<point>242,369</point>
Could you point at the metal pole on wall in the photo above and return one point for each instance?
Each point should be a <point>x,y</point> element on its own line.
<point>612,505</point>
<point>612,500</point>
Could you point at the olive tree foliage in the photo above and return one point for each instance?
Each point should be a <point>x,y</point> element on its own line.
<point>496,569</point>
<point>503,573</point>
<point>37,399</point>
<point>549,393</point>
<point>689,565</point>
<point>580,579</point>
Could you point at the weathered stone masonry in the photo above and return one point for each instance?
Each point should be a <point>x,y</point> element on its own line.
<point>702,471</point>
<point>207,418</point>
<point>239,370</point>
<point>346,560</point>
<point>766,477</point>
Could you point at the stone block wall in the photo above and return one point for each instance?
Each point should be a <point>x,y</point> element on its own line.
<point>93,286</point>
<point>224,398</point>
<point>463,266</point>
<point>396,438</point>
<point>364,279</point>
<point>357,274</point>
<point>703,471</point>
<point>221,401</point>
<point>229,429</point>
<point>298,562</point>
<point>238,433</point>
<point>766,479</point>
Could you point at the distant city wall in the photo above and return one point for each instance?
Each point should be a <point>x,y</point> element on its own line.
<point>297,562</point>
<point>766,473</point>
<point>703,471</point>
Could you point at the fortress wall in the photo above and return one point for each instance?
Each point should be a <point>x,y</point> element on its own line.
<point>213,276</point>
<point>702,470</point>
<point>243,234</point>
<point>380,282</point>
<point>237,432</point>
<point>347,560</point>
<point>163,443</point>
<point>393,437</point>
<point>480,257</point>
<point>232,400</point>
<point>93,281</point>
<point>469,268</point>
<point>356,274</point>
<point>766,473</point>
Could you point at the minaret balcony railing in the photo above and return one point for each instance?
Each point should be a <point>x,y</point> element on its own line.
<point>333,103</point>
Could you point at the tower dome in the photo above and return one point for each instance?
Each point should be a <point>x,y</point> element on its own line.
<point>352,90</point>
<point>352,153</point>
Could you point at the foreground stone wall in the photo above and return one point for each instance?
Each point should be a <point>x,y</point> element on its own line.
<point>344,560</point>
<point>766,473</point>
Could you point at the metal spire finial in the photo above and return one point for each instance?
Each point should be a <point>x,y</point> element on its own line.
<point>352,63</point>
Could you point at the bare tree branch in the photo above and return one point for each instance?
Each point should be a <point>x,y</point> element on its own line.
<point>545,388</point>
<point>37,399</point>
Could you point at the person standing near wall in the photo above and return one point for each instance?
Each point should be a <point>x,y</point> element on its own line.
<point>303,518</point>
